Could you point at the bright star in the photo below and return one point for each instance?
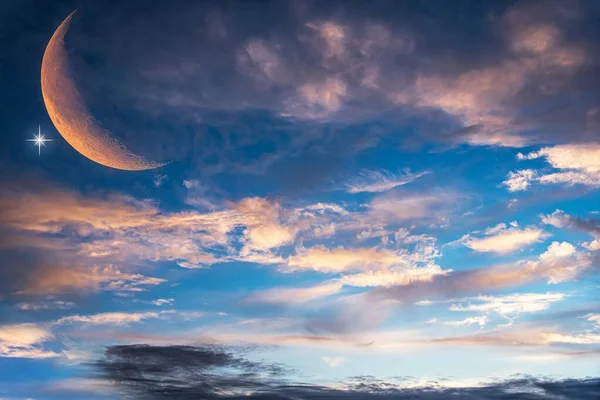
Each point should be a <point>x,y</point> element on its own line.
<point>40,140</point>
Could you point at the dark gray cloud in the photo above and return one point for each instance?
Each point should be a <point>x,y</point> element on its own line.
<point>188,372</point>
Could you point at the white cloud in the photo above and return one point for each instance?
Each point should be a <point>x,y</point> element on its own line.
<point>594,245</point>
<point>162,302</point>
<point>295,295</point>
<point>595,319</point>
<point>580,157</point>
<point>333,362</point>
<point>108,318</point>
<point>481,321</point>
<point>585,338</point>
<point>501,239</point>
<point>558,219</point>
<point>520,180</point>
<point>558,250</point>
<point>509,305</point>
<point>576,164</point>
<point>379,181</point>
<point>23,340</point>
<point>394,277</point>
<point>560,263</point>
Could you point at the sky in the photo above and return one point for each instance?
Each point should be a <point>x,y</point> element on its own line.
<point>360,199</point>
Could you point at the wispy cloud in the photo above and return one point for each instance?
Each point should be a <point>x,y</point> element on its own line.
<point>296,295</point>
<point>108,318</point>
<point>380,181</point>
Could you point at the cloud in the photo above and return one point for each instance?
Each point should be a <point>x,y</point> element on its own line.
<point>395,277</point>
<point>502,239</point>
<point>594,318</point>
<point>45,305</point>
<point>209,372</point>
<point>317,100</point>
<point>554,266</point>
<point>295,295</point>
<point>340,260</point>
<point>333,362</point>
<point>577,164</point>
<point>162,302</point>
<point>78,241</point>
<point>94,278</point>
<point>379,181</point>
<point>520,180</point>
<point>407,206</point>
<point>263,227</point>
<point>509,305</point>
<point>108,318</point>
<point>481,321</point>
<point>23,340</point>
<point>525,338</point>
<point>560,219</point>
<point>561,263</point>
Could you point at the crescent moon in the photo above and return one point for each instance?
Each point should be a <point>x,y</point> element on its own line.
<point>71,117</point>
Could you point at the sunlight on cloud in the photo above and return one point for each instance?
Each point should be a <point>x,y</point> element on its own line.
<point>576,164</point>
<point>502,239</point>
<point>295,295</point>
<point>23,341</point>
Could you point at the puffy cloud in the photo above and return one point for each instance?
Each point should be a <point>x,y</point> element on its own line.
<point>502,239</point>
<point>594,245</point>
<point>23,340</point>
<point>263,227</point>
<point>379,181</point>
<point>557,219</point>
<point>558,250</point>
<point>578,157</point>
<point>576,164</point>
<point>560,263</point>
<point>560,219</point>
<point>520,180</point>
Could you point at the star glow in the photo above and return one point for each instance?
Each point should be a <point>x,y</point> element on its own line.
<point>39,140</point>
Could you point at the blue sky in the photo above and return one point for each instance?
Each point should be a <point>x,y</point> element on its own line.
<point>361,199</point>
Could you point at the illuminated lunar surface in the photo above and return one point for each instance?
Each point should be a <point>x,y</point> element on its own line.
<point>71,117</point>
